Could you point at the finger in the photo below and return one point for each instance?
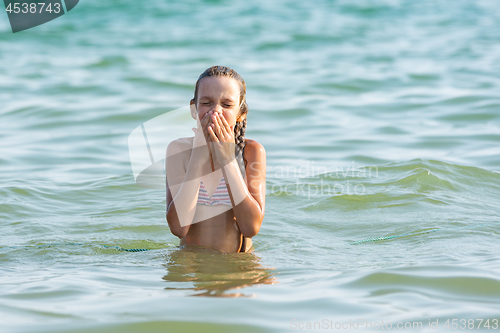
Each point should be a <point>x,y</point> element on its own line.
<point>205,120</point>
<point>214,137</point>
<point>226,125</point>
<point>229,130</point>
<point>206,123</point>
<point>208,137</point>
<point>218,130</point>
<point>205,129</point>
<point>209,122</point>
<point>210,129</point>
<point>222,128</point>
<point>213,127</point>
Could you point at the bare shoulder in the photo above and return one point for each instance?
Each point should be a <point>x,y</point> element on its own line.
<point>180,145</point>
<point>254,150</point>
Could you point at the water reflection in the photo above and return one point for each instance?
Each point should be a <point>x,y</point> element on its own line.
<point>212,273</point>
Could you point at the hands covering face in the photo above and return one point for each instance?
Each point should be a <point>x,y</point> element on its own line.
<point>221,137</point>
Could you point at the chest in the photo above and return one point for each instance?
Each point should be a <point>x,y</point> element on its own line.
<point>212,182</point>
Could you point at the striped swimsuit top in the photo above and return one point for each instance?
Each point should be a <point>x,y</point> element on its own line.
<point>220,196</point>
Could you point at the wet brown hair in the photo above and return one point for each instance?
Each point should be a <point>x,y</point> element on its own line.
<point>241,126</point>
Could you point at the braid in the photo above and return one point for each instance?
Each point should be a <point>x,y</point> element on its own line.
<point>239,137</point>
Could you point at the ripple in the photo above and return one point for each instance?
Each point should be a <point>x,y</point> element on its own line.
<point>457,286</point>
<point>404,90</point>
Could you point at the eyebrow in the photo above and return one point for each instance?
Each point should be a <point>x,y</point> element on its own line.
<point>223,100</point>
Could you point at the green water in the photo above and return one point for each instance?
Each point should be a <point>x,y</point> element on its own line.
<point>381,123</point>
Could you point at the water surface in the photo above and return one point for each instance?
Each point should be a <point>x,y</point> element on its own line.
<point>381,123</point>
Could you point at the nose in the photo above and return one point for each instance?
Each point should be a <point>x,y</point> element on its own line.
<point>217,108</point>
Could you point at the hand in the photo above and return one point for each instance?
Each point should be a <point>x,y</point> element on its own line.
<point>222,137</point>
<point>200,146</point>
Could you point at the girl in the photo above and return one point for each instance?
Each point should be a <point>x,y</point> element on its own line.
<point>216,180</point>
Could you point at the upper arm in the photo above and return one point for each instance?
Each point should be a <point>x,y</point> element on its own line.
<point>174,169</point>
<point>255,172</point>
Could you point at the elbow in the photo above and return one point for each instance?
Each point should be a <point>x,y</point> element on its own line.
<point>175,226</point>
<point>180,233</point>
<point>250,232</point>
<point>253,228</point>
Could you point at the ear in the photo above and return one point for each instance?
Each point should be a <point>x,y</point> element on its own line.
<point>192,106</point>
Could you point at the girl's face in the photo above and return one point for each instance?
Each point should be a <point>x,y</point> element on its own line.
<point>219,94</point>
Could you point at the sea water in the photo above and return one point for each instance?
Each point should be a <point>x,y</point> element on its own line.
<point>381,124</point>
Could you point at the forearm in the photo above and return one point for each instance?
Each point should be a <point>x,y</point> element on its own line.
<point>249,214</point>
